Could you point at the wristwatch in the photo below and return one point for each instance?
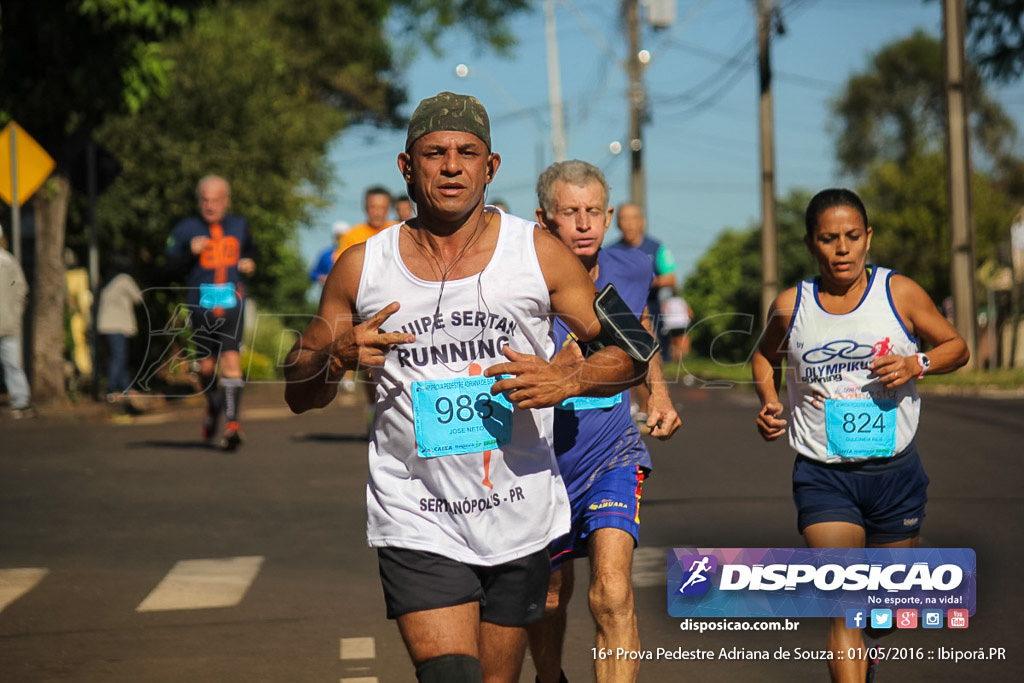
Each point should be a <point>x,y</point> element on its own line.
<point>925,363</point>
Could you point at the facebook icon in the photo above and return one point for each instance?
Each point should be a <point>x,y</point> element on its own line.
<point>856,618</point>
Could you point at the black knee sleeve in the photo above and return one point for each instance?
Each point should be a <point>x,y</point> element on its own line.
<point>450,669</point>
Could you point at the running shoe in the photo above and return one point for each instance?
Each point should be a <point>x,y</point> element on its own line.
<point>23,413</point>
<point>232,436</point>
<point>210,425</point>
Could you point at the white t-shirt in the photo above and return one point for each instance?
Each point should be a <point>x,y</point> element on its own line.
<point>829,355</point>
<point>481,507</point>
<point>675,314</point>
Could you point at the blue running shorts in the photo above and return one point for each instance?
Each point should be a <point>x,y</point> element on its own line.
<point>885,496</point>
<point>611,501</point>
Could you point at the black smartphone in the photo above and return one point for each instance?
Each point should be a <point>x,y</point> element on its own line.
<point>619,321</point>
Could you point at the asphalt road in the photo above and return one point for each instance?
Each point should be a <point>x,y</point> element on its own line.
<point>112,535</point>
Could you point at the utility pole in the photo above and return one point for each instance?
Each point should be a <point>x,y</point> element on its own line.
<point>769,232</point>
<point>554,83</point>
<point>637,105</point>
<point>954,19</point>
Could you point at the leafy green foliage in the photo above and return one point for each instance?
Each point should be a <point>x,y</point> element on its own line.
<point>890,127</point>
<point>65,65</point>
<point>895,109</point>
<point>725,288</point>
<point>257,92</point>
<point>907,206</point>
<point>233,112</point>
<point>995,37</point>
<point>485,18</point>
<point>252,90</point>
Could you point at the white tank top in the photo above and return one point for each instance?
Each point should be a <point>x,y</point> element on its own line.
<point>829,355</point>
<point>428,488</point>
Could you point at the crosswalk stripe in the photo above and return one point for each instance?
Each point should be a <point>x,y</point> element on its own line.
<point>203,584</point>
<point>16,582</point>
<point>358,648</point>
<point>650,566</point>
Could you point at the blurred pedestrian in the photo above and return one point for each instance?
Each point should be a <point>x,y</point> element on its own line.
<point>13,295</point>
<point>404,208</point>
<point>377,205</point>
<point>217,250</point>
<point>676,318</point>
<point>325,261</point>
<point>633,226</point>
<point>115,320</point>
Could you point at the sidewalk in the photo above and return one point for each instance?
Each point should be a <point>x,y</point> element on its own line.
<point>260,399</point>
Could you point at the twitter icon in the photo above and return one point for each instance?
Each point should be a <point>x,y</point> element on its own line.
<point>881,618</point>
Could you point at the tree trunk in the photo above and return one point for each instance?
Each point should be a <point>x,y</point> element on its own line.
<point>50,206</point>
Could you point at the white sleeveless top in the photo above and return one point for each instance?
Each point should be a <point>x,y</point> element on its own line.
<point>829,355</point>
<point>481,508</point>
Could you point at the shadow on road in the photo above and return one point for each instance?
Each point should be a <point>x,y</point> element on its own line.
<point>191,444</point>
<point>325,437</point>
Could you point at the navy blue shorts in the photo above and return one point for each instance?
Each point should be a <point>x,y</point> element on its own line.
<point>885,496</point>
<point>611,501</point>
<point>510,594</point>
<point>214,334</point>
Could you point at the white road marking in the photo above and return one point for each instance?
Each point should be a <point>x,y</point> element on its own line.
<point>16,582</point>
<point>366,679</point>
<point>650,566</point>
<point>203,584</point>
<point>358,648</point>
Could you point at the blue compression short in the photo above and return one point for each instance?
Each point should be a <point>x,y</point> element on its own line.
<point>611,501</point>
<point>884,496</point>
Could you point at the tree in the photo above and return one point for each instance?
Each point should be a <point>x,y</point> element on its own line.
<point>895,109</point>
<point>907,207</point>
<point>64,66</point>
<point>995,37</point>
<point>67,66</point>
<point>259,90</point>
<point>725,288</point>
<point>890,123</point>
<point>236,109</point>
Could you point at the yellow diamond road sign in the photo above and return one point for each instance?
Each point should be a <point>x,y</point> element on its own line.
<point>33,165</point>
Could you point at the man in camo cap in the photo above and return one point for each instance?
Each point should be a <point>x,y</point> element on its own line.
<point>448,111</point>
<point>464,494</point>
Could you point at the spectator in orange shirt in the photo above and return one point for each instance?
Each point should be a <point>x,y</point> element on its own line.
<point>377,204</point>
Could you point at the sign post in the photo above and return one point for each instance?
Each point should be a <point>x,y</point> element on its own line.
<point>29,166</point>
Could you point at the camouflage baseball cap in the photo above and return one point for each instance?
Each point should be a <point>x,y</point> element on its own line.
<point>448,111</point>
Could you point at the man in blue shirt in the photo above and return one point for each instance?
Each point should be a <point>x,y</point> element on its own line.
<point>216,249</point>
<point>325,261</point>
<point>600,453</point>
<point>633,226</point>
